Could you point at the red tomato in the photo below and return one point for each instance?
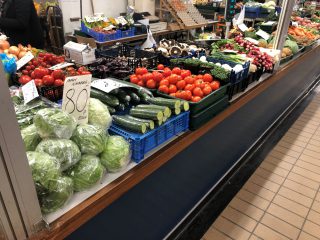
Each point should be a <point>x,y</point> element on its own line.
<point>144,70</point>
<point>181,84</point>
<point>139,71</point>
<point>173,79</point>
<point>164,82</point>
<point>48,80</point>
<point>188,95</point>
<point>160,67</point>
<point>207,90</point>
<point>85,73</point>
<point>185,73</point>
<point>141,83</point>
<point>151,84</point>
<point>199,83</point>
<point>189,80</point>
<point>197,92</point>
<point>166,72</point>
<point>25,72</point>
<point>40,72</point>
<point>134,79</point>
<point>196,99</point>
<point>207,78</point>
<point>58,74</point>
<point>215,85</point>
<point>164,89</point>
<point>157,76</point>
<point>80,70</point>
<point>38,82</point>
<point>172,89</point>
<point>32,75</point>
<point>24,79</point>
<point>147,76</point>
<point>140,77</point>
<point>199,76</point>
<point>184,95</point>
<point>172,94</point>
<point>176,70</point>
<point>179,94</point>
<point>189,87</point>
<point>28,68</point>
<point>58,82</point>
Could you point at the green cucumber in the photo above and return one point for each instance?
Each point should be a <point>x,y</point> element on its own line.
<point>166,111</point>
<point>130,125</point>
<point>123,96</point>
<point>185,106</point>
<point>177,111</point>
<point>150,123</point>
<point>147,114</point>
<point>106,98</point>
<point>135,99</point>
<point>121,107</point>
<point>165,119</point>
<point>159,123</point>
<point>171,103</point>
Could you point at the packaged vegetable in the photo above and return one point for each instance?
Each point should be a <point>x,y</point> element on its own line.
<point>86,173</point>
<point>116,154</point>
<point>90,139</point>
<point>44,167</point>
<point>99,114</point>
<point>54,123</point>
<point>66,151</point>
<point>30,137</point>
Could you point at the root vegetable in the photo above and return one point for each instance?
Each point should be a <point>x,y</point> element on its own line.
<point>14,50</point>
<point>4,44</point>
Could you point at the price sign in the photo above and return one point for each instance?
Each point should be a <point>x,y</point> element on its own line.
<point>252,40</point>
<point>24,60</point>
<point>243,27</point>
<point>61,66</point>
<point>107,85</point>
<point>263,34</point>
<point>76,96</point>
<point>29,92</point>
<point>229,51</point>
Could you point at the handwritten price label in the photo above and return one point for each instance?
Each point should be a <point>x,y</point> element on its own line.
<point>29,92</point>
<point>23,61</point>
<point>263,34</point>
<point>107,85</point>
<point>76,96</point>
<point>61,66</point>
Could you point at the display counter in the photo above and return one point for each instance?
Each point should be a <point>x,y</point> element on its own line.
<point>152,198</point>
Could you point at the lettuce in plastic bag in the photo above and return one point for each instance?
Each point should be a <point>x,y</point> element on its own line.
<point>59,192</point>
<point>44,167</point>
<point>86,173</point>
<point>30,137</point>
<point>90,139</point>
<point>99,114</point>
<point>54,123</point>
<point>66,151</point>
<point>116,154</point>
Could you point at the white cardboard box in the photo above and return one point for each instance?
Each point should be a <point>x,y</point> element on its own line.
<point>79,53</point>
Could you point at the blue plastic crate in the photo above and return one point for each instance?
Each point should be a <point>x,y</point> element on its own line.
<point>252,12</point>
<point>144,143</point>
<point>100,37</point>
<point>128,33</point>
<point>234,77</point>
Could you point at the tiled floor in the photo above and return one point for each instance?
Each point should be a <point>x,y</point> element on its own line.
<point>281,200</point>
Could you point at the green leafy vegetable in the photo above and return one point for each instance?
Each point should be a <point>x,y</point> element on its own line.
<point>66,151</point>
<point>99,114</point>
<point>116,154</point>
<point>86,173</point>
<point>292,45</point>
<point>30,137</point>
<point>220,73</point>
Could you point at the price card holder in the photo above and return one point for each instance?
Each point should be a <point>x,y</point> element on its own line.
<point>263,34</point>
<point>76,96</point>
<point>243,27</point>
<point>61,66</point>
<point>23,61</point>
<point>29,92</point>
<point>107,85</point>
<point>252,40</point>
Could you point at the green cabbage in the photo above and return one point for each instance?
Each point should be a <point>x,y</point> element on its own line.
<point>54,123</point>
<point>44,167</point>
<point>54,198</point>
<point>66,151</point>
<point>90,139</point>
<point>86,173</point>
<point>292,45</point>
<point>116,154</point>
<point>99,114</point>
<point>30,137</point>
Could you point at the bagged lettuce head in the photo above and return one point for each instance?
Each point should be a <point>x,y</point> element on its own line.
<point>54,123</point>
<point>116,154</point>
<point>66,151</point>
<point>44,167</point>
<point>86,173</point>
<point>99,114</point>
<point>90,139</point>
<point>30,137</point>
<point>56,195</point>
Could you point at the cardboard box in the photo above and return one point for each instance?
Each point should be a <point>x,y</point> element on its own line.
<point>79,53</point>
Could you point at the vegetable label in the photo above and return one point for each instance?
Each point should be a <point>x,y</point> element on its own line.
<point>24,60</point>
<point>243,27</point>
<point>263,34</point>
<point>76,96</point>
<point>61,66</point>
<point>252,40</point>
<point>29,92</point>
<point>107,85</point>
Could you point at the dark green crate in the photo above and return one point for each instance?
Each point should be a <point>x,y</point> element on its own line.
<point>205,102</point>
<point>206,115</point>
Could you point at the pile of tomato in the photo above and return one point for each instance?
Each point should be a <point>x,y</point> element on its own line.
<point>176,82</point>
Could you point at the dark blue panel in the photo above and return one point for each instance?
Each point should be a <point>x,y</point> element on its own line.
<point>153,207</point>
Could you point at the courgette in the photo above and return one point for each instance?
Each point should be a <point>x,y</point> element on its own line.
<point>166,111</point>
<point>165,119</point>
<point>185,106</point>
<point>111,110</point>
<point>159,123</point>
<point>121,107</point>
<point>129,124</point>
<point>177,111</point>
<point>106,98</point>
<point>135,99</point>
<point>147,114</point>
<point>123,96</point>
<point>171,103</point>
<point>150,123</point>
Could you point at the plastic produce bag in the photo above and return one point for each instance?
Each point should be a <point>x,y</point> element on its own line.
<point>86,173</point>
<point>56,195</point>
<point>9,64</point>
<point>54,123</point>
<point>90,139</point>
<point>99,114</point>
<point>150,42</point>
<point>45,168</point>
<point>30,138</point>
<point>66,151</point>
<point>116,154</point>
